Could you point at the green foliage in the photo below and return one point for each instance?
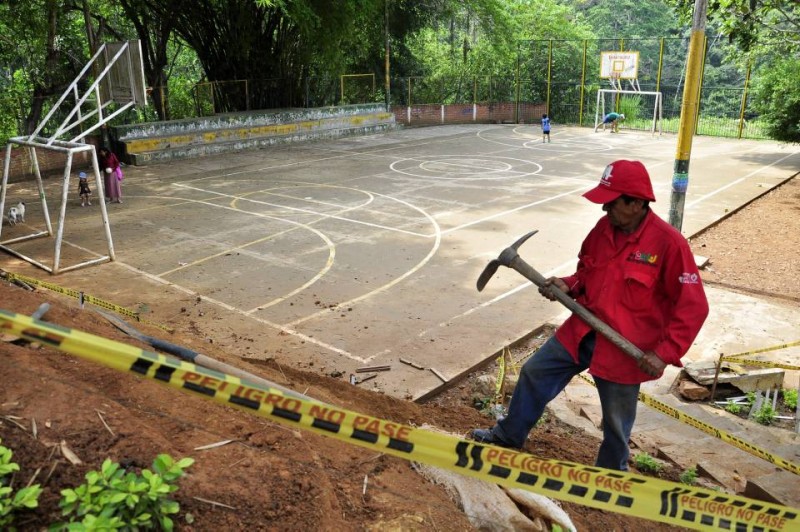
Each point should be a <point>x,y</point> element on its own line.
<point>689,476</point>
<point>790,399</point>
<point>631,107</point>
<point>25,498</point>
<point>646,463</point>
<point>778,99</point>
<point>766,414</point>
<point>732,407</point>
<point>751,398</point>
<point>113,499</point>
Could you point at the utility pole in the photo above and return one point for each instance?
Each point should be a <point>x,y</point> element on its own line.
<point>689,107</point>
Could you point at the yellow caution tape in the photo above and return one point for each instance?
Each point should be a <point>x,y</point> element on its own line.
<point>81,296</point>
<point>761,363</point>
<point>615,491</point>
<point>714,431</point>
<point>501,379</point>
<point>762,350</point>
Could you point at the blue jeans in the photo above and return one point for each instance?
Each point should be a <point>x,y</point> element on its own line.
<point>545,375</point>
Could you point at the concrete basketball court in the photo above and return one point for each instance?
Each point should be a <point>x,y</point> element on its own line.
<point>364,250</point>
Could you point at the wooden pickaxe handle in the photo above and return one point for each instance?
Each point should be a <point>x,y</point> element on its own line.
<point>527,271</point>
<point>510,257</point>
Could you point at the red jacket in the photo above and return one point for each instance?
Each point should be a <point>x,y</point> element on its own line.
<point>648,290</point>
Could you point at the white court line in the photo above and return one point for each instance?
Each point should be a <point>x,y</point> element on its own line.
<point>434,248</point>
<point>306,211</point>
<point>348,154</point>
<point>732,183</point>
<point>520,208</point>
<point>180,288</point>
<point>482,306</point>
<point>282,328</point>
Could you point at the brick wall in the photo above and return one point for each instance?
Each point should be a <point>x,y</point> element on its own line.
<point>51,163</point>
<point>483,113</point>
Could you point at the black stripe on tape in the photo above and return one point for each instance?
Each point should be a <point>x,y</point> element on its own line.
<point>553,484</point>
<point>707,520</point>
<point>241,401</point>
<point>624,501</point>
<point>688,515</point>
<point>579,491</point>
<point>286,414</point>
<point>527,479</point>
<point>199,389</point>
<point>602,496</point>
<point>477,461</point>
<point>400,445</point>
<point>461,452</point>
<point>164,373</point>
<point>497,471</point>
<point>141,366</point>
<point>363,435</point>
<point>724,524</point>
<point>326,425</point>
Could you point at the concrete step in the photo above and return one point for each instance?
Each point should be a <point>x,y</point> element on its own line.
<point>212,148</point>
<point>142,144</point>
<point>244,132</point>
<point>267,117</point>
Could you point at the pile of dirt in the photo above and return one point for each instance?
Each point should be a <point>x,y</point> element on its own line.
<point>272,477</point>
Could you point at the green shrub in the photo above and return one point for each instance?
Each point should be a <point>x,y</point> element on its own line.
<point>112,499</point>
<point>766,414</point>
<point>646,463</point>
<point>790,399</point>
<point>25,498</point>
<point>733,408</point>
<point>751,398</point>
<point>689,476</point>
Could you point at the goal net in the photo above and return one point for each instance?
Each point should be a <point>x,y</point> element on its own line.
<point>642,109</point>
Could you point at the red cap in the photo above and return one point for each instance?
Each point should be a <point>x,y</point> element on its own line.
<point>622,177</point>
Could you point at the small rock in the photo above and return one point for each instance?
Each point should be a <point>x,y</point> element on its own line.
<point>693,391</point>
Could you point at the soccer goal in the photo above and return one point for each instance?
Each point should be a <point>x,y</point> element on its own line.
<point>641,108</point>
<point>118,86</point>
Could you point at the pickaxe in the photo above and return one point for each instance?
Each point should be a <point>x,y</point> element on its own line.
<point>511,259</point>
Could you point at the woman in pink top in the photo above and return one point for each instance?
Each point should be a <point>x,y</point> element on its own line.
<point>112,174</point>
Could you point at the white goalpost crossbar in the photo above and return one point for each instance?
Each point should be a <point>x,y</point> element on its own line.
<point>123,60</point>
<point>600,111</point>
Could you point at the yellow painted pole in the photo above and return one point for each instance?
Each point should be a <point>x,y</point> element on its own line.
<point>691,90</point>
<point>549,73</point>
<point>744,100</point>
<point>516,107</point>
<point>387,83</point>
<point>583,83</point>
<point>660,64</point>
<point>702,79</point>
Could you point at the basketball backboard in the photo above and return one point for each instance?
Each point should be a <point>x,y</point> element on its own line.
<point>619,65</point>
<point>124,82</point>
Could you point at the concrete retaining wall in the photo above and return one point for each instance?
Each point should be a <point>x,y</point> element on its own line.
<point>142,144</point>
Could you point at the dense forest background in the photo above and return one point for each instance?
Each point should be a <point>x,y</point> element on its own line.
<point>204,56</point>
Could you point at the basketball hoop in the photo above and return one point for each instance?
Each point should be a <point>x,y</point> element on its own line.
<point>614,78</point>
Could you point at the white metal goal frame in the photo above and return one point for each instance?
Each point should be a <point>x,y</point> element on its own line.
<point>600,111</point>
<point>121,82</point>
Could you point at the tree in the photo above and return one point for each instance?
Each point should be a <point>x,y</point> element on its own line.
<point>778,100</point>
<point>751,23</point>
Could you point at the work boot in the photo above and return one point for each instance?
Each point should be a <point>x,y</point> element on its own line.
<point>489,437</point>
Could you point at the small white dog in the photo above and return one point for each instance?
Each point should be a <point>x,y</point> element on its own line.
<point>16,214</point>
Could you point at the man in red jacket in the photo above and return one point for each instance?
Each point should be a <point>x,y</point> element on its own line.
<point>637,274</point>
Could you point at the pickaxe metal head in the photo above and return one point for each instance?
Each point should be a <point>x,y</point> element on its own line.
<point>505,258</point>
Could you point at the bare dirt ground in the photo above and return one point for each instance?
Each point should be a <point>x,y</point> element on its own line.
<point>275,478</point>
